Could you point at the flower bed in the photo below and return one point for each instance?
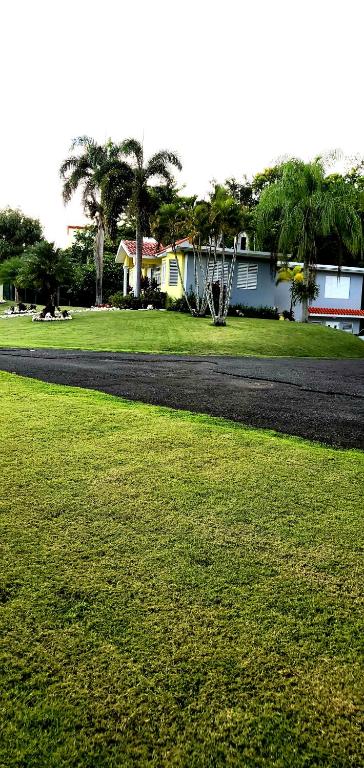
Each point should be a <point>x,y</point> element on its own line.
<point>40,317</point>
<point>19,313</point>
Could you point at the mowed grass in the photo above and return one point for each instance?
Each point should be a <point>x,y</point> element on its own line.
<point>171,332</point>
<point>176,590</point>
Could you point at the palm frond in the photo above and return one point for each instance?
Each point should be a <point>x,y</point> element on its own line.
<point>132,147</point>
<point>83,141</point>
<point>69,164</point>
<point>159,165</point>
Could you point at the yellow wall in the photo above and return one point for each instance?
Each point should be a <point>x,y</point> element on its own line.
<point>175,291</point>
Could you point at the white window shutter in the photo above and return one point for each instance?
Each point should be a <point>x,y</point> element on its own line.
<point>173,272</point>
<point>247,276</point>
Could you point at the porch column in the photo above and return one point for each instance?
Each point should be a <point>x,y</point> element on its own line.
<point>126,280</point>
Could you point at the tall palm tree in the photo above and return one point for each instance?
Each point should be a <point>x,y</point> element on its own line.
<point>307,206</point>
<point>105,179</point>
<point>158,166</point>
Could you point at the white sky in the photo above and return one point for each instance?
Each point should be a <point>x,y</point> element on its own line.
<point>230,85</point>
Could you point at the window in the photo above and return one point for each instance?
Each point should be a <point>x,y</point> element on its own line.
<point>337,287</point>
<point>163,279</point>
<point>247,276</point>
<point>214,271</point>
<point>348,327</point>
<point>173,272</point>
<point>156,274</point>
<point>243,243</point>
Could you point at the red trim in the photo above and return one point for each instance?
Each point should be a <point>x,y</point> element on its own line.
<point>76,226</point>
<point>339,312</point>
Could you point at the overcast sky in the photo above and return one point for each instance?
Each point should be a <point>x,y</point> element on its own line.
<point>231,86</point>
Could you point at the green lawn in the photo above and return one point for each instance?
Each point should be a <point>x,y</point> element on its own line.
<point>177,333</point>
<point>176,590</point>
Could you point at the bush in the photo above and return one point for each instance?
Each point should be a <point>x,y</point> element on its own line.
<point>266,313</point>
<point>288,314</point>
<point>153,296</point>
<point>149,296</point>
<point>180,305</point>
<point>124,302</point>
<point>81,291</point>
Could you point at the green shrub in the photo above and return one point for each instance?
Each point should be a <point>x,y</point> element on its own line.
<point>180,305</point>
<point>124,302</point>
<point>267,313</point>
<point>149,296</point>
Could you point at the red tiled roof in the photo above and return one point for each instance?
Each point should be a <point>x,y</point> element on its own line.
<point>337,312</point>
<point>163,248</point>
<point>149,248</point>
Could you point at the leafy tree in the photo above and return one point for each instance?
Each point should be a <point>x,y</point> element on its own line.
<point>170,224</point>
<point>81,251</point>
<point>306,207</point>
<point>105,179</point>
<point>247,193</point>
<point>331,249</point>
<point>9,271</point>
<point>158,166</point>
<point>210,226</point>
<point>17,232</point>
<point>45,268</point>
<point>81,288</point>
<point>227,219</point>
<point>242,192</point>
<point>264,179</point>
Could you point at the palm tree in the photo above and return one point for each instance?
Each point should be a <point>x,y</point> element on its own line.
<point>308,206</point>
<point>105,179</point>
<point>158,166</point>
<point>45,268</point>
<point>169,224</point>
<point>227,217</point>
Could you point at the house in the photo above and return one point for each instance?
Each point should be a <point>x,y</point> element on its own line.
<point>159,263</point>
<point>340,302</point>
<point>126,255</point>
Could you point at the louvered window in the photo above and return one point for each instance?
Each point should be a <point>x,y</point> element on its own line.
<point>173,272</point>
<point>214,271</point>
<point>163,278</point>
<point>247,276</point>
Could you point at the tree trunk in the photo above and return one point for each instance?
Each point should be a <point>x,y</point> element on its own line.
<point>229,282</point>
<point>99,260</point>
<point>219,318</point>
<point>197,281</point>
<point>138,257</point>
<point>304,302</point>
<point>191,311</point>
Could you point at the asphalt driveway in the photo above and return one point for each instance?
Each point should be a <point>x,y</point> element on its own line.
<point>314,398</point>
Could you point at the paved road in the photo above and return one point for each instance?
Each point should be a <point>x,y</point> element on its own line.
<point>318,399</point>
